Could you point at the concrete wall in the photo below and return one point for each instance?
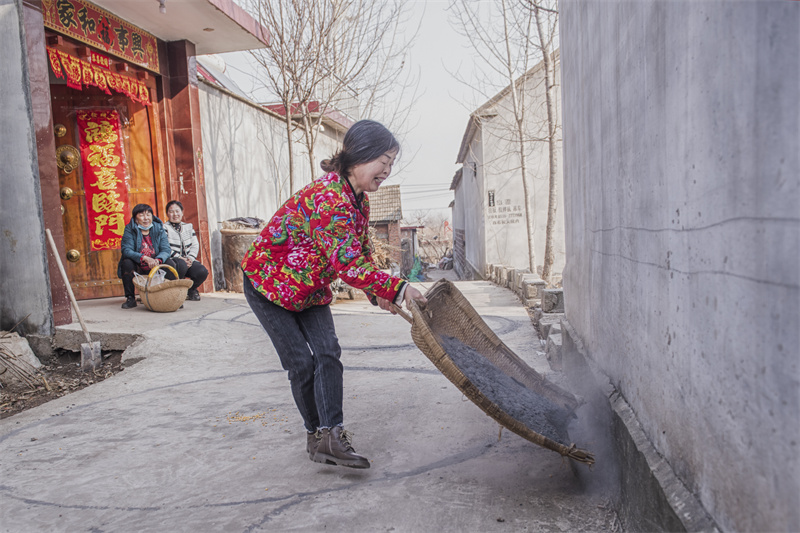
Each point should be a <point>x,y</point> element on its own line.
<point>24,281</point>
<point>682,188</point>
<point>246,163</point>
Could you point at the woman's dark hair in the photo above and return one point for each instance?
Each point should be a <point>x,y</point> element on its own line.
<point>365,141</point>
<point>173,202</point>
<point>140,208</point>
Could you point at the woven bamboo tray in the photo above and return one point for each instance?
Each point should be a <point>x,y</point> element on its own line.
<point>165,297</point>
<point>448,314</point>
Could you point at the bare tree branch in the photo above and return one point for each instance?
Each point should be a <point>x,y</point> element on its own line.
<point>504,47</point>
<point>534,5</point>
<point>325,53</point>
<point>508,37</point>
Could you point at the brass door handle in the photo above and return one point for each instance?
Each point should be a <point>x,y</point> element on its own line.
<point>66,193</point>
<point>73,256</point>
<point>67,158</point>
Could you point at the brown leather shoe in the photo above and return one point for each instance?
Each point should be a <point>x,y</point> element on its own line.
<point>336,448</point>
<point>312,443</point>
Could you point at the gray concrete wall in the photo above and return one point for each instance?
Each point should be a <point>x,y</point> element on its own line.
<point>682,199</point>
<point>24,281</point>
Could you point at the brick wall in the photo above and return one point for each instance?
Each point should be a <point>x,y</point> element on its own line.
<point>394,241</point>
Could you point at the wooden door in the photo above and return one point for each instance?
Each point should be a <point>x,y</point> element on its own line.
<point>93,274</point>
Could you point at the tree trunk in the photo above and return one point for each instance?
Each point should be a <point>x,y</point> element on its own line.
<point>315,170</point>
<point>310,137</point>
<point>519,114</point>
<point>290,145</point>
<point>551,145</point>
<point>528,211</point>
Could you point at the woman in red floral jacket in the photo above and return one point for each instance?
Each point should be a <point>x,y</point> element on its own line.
<point>318,235</point>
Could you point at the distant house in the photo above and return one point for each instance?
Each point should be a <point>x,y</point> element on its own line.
<point>385,213</point>
<point>489,224</point>
<point>409,247</point>
<point>121,83</point>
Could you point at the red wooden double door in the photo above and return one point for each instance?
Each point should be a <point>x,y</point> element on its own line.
<point>93,274</point>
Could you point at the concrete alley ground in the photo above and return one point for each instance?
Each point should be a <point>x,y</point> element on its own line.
<point>199,433</point>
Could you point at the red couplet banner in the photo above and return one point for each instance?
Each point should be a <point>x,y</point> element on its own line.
<point>104,173</point>
<point>79,73</point>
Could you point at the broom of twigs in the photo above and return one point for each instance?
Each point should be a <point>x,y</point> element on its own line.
<point>381,250</point>
<point>19,368</point>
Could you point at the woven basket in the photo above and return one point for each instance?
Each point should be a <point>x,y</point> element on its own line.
<point>448,313</point>
<point>165,297</point>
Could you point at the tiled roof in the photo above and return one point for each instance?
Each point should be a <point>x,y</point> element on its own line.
<point>384,204</point>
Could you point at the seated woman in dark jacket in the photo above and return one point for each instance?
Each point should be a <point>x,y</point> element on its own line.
<point>144,246</point>
<point>185,247</point>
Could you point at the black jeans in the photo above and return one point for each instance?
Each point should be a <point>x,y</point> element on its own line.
<point>129,266</point>
<point>309,350</point>
<point>197,272</point>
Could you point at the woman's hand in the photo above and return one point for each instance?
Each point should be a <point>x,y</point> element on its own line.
<point>386,305</point>
<point>188,261</point>
<point>152,263</point>
<point>410,294</point>
<point>413,294</point>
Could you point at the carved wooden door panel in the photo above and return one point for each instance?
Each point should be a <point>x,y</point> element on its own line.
<point>93,273</point>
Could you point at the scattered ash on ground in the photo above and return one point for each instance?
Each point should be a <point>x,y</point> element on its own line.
<point>533,410</point>
<point>62,375</point>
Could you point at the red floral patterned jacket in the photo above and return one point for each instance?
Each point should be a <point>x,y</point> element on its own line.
<point>319,234</point>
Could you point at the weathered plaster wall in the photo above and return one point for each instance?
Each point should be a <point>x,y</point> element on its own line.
<point>246,163</point>
<point>682,184</point>
<point>24,282</point>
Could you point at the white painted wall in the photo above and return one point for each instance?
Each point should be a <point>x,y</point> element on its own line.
<point>682,173</point>
<point>506,237</point>
<point>538,167</point>
<point>505,220</point>
<point>246,162</point>
<point>502,238</point>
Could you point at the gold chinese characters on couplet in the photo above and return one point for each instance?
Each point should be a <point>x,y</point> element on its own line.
<point>104,173</point>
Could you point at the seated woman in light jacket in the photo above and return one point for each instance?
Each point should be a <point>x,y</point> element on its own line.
<point>185,247</point>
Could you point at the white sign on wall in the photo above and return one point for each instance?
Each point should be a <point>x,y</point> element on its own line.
<point>504,212</point>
